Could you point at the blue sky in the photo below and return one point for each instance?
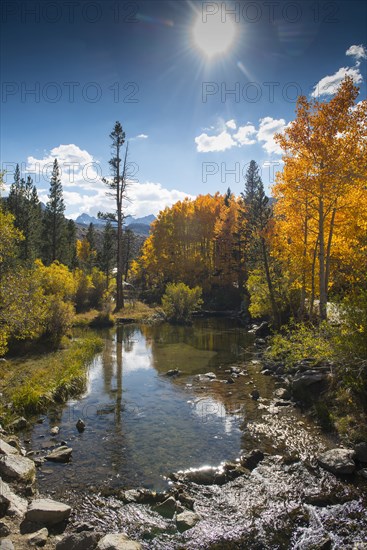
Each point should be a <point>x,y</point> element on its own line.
<point>194,120</point>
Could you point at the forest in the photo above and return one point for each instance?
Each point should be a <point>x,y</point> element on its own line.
<point>297,260</point>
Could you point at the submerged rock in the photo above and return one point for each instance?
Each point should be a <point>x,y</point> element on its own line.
<point>61,454</point>
<point>173,372</point>
<point>79,541</point>
<point>187,520</point>
<point>167,508</point>
<point>80,425</point>
<point>255,395</point>
<point>55,430</point>
<point>47,511</point>
<point>18,424</point>
<point>338,461</point>
<point>118,542</point>
<point>252,459</point>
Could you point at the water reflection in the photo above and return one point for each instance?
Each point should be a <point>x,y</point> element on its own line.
<point>141,424</point>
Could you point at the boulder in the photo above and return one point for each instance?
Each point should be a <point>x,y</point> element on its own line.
<point>282,393</point>
<point>307,379</point>
<point>17,467</point>
<point>10,503</point>
<point>338,461</point>
<point>47,511</point>
<point>55,430</point>
<point>167,508</point>
<point>61,454</point>
<point>118,542</point>
<point>39,538</point>
<point>6,449</point>
<point>361,452</point>
<point>6,544</point>
<point>79,541</point>
<point>186,520</point>
<point>262,330</point>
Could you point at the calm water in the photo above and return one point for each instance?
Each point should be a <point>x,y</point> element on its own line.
<point>142,424</point>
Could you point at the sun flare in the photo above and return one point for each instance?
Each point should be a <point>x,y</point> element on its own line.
<point>214,37</point>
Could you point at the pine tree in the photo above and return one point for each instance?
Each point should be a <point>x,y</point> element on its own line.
<point>107,257</point>
<point>54,221</point>
<point>118,185</point>
<point>256,215</point>
<point>14,194</point>
<point>70,257</point>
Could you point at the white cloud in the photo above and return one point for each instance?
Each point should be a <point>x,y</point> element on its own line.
<point>231,124</point>
<point>329,84</point>
<point>208,144</point>
<point>140,136</point>
<point>267,128</point>
<point>358,52</point>
<point>84,190</point>
<point>244,133</point>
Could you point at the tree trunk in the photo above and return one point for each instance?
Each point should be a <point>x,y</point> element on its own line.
<point>119,289</point>
<point>301,313</point>
<point>328,249</point>
<point>312,298</point>
<point>322,279</point>
<point>270,285</point>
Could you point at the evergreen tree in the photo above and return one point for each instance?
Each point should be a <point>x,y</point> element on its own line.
<point>54,220</point>
<point>117,186</point>
<point>70,257</point>
<point>256,214</point>
<point>14,194</point>
<point>107,257</point>
<point>30,222</point>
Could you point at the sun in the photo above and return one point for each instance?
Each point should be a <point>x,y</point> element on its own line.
<point>214,37</point>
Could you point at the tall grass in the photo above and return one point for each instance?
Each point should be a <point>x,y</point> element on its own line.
<point>31,385</point>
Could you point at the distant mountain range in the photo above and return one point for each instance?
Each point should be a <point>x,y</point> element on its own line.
<point>86,219</point>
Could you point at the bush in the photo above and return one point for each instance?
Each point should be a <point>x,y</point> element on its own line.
<point>179,301</point>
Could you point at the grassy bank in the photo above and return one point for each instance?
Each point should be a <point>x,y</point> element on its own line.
<point>134,312</point>
<point>34,383</point>
<point>343,407</point>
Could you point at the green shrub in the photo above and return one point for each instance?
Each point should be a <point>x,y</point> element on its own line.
<point>179,301</point>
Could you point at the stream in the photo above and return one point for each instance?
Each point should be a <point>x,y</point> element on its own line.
<point>142,425</point>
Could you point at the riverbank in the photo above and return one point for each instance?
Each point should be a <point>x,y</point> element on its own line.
<point>30,384</point>
<point>133,312</point>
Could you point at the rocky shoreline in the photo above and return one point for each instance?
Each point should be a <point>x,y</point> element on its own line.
<point>261,500</point>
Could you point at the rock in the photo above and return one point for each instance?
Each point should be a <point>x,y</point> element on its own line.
<point>4,530</point>
<point>173,372</point>
<point>55,430</point>
<point>6,544</point>
<point>338,461</point>
<point>251,460</point>
<point>235,370</point>
<point>282,393</point>
<point>10,503</point>
<point>255,394</point>
<point>80,527</point>
<point>266,372</point>
<point>18,424</point>
<point>230,380</point>
<point>363,472</point>
<point>39,538</point>
<point>6,449</point>
<point>47,511</point>
<point>167,508</point>
<point>61,454</point>
<point>261,330</point>
<point>186,520</point>
<point>260,342</point>
<point>80,425</point>
<point>307,379</point>
<point>17,467</point>
<point>117,542</point>
<point>79,541</point>
<point>210,375</point>
<point>361,452</point>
